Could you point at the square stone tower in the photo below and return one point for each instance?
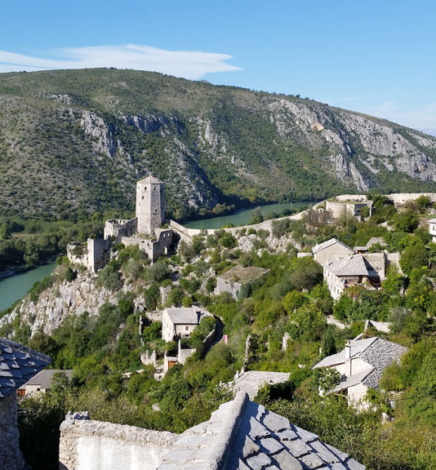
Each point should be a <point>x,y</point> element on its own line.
<point>150,204</point>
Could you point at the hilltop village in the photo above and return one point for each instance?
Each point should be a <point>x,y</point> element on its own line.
<point>301,341</point>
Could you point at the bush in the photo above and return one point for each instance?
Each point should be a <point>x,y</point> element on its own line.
<point>158,271</point>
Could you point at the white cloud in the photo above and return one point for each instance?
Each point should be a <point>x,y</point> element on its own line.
<point>186,64</point>
<point>418,118</point>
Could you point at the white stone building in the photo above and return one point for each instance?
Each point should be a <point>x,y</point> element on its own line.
<point>180,322</point>
<point>361,365</point>
<point>432,229</point>
<point>17,365</point>
<point>42,381</point>
<point>331,250</point>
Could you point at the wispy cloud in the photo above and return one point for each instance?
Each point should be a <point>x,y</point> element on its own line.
<point>186,64</point>
<point>417,118</point>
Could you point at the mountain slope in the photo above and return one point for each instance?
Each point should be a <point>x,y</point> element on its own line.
<point>75,141</point>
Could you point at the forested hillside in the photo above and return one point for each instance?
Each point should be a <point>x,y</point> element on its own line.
<point>74,142</point>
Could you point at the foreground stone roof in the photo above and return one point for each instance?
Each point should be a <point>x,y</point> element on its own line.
<point>240,435</point>
<point>243,435</point>
<point>18,364</point>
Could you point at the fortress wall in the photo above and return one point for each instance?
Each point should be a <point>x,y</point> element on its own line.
<point>95,445</point>
<point>401,198</point>
<point>98,253</point>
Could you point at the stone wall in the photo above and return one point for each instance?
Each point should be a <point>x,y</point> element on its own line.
<point>10,454</point>
<point>94,445</point>
<point>117,228</point>
<point>154,249</point>
<point>98,253</point>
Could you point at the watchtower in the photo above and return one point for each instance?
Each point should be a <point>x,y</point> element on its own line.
<point>150,204</point>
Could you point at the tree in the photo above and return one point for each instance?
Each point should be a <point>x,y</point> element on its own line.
<point>70,275</point>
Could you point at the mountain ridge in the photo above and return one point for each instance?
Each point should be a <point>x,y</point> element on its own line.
<point>75,141</point>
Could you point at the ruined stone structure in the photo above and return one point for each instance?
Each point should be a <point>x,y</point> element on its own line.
<point>18,364</point>
<point>144,230</point>
<point>150,205</point>
<point>238,278</point>
<point>239,435</point>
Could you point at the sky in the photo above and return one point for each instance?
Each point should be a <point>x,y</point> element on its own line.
<point>376,57</point>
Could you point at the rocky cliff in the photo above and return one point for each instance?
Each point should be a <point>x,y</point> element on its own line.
<point>74,142</point>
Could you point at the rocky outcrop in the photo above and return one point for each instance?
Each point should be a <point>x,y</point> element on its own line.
<point>57,303</point>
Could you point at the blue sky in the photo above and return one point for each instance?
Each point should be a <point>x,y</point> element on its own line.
<point>376,57</point>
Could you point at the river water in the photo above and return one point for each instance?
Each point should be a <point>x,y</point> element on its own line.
<point>243,216</point>
<point>16,287</point>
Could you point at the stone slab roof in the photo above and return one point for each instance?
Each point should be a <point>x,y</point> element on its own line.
<point>44,378</point>
<point>183,316</point>
<point>326,244</point>
<point>150,179</point>
<point>356,265</point>
<point>376,352</point>
<point>250,382</point>
<point>243,435</point>
<point>244,275</point>
<point>18,364</point>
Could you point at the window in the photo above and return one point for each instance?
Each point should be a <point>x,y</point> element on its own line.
<point>186,328</point>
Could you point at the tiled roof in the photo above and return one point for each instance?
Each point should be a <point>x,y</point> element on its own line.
<point>44,378</point>
<point>326,244</point>
<point>150,179</point>
<point>357,348</point>
<point>182,316</point>
<point>243,435</point>
<point>376,352</point>
<point>18,364</point>
<point>356,265</point>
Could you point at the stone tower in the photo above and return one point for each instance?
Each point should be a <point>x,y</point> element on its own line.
<point>150,204</point>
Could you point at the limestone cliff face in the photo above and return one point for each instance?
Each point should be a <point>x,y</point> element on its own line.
<point>57,303</point>
<point>209,144</point>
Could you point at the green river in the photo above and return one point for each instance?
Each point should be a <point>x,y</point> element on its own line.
<point>15,287</point>
<point>243,216</point>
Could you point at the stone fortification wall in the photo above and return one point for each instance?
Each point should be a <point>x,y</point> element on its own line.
<point>118,228</point>
<point>397,198</point>
<point>94,445</point>
<point>77,259</point>
<point>339,208</point>
<point>10,454</point>
<point>186,233</point>
<point>401,198</point>
<point>98,253</point>
<point>154,249</point>
<point>224,285</point>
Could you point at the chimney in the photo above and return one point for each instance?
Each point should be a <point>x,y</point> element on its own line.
<point>348,360</point>
<point>348,350</point>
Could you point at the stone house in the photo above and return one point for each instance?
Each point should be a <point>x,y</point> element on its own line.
<point>331,250</point>
<point>368,269</point>
<point>234,280</point>
<point>17,365</point>
<point>240,435</point>
<point>180,322</point>
<point>41,382</point>
<point>361,365</point>
<point>432,229</point>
